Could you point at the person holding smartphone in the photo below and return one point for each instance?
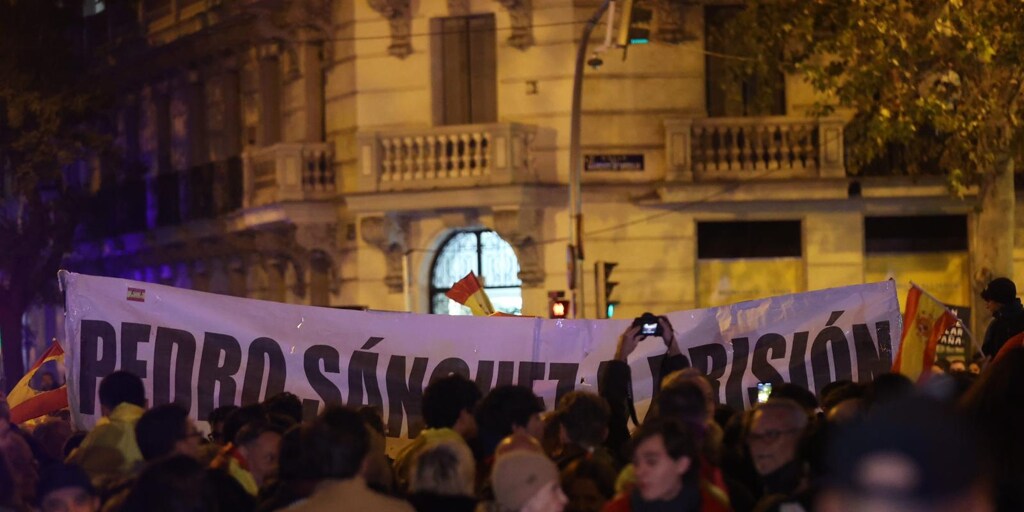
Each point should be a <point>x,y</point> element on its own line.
<point>615,377</point>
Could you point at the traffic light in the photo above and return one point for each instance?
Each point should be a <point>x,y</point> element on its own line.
<point>635,26</point>
<point>603,289</point>
<point>558,307</point>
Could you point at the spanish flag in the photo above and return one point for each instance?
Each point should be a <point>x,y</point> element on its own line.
<point>924,321</point>
<point>27,403</point>
<point>470,293</point>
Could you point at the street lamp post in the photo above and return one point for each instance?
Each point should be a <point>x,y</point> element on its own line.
<point>575,252</point>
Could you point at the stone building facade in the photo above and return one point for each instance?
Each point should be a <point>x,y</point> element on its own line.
<point>365,152</point>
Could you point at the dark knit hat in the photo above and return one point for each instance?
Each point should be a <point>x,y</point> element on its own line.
<point>1000,290</point>
<point>911,451</point>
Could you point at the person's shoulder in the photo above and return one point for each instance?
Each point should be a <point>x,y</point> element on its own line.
<point>387,503</point>
<point>620,503</point>
<point>356,494</point>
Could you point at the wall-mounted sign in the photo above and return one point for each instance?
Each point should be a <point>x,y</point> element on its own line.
<point>613,162</point>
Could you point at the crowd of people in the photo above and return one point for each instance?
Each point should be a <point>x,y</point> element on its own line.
<point>951,443</point>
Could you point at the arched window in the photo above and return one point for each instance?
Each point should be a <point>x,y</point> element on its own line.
<point>491,258</point>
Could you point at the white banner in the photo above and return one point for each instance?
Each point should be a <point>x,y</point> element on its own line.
<point>203,350</point>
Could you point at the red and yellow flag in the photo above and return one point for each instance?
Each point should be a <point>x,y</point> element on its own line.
<point>924,321</point>
<point>470,293</point>
<point>27,403</point>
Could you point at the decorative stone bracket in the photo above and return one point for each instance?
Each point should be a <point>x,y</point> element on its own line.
<point>390,235</point>
<point>521,13</point>
<point>399,16</point>
<point>521,229</point>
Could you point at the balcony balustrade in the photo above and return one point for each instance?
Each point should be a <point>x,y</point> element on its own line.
<point>754,148</point>
<point>288,172</point>
<point>444,157</point>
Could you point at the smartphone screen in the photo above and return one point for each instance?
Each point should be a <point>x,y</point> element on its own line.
<point>764,390</point>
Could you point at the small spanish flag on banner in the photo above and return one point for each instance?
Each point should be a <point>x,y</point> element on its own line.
<point>27,403</point>
<point>925,319</point>
<point>470,293</point>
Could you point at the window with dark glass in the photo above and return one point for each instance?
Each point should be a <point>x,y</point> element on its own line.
<point>749,239</point>
<point>465,60</point>
<point>729,95</point>
<point>923,233</point>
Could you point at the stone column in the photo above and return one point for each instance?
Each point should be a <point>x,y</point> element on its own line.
<point>232,108</point>
<point>198,142</point>
<point>269,71</point>
<point>310,54</point>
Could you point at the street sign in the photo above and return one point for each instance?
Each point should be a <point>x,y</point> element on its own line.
<point>613,162</point>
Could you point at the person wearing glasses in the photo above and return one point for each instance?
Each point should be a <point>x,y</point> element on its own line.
<point>776,430</point>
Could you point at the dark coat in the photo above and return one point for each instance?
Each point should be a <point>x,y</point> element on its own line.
<point>1006,323</point>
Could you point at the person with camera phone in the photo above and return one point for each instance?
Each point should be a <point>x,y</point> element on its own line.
<point>615,381</point>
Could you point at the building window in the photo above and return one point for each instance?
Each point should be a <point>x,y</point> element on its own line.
<point>928,250</point>
<point>464,52</point>
<point>739,261</point>
<point>729,95</point>
<point>926,233</point>
<point>490,257</point>
<point>764,239</point>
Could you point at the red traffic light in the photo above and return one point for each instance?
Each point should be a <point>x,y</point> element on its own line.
<point>559,309</point>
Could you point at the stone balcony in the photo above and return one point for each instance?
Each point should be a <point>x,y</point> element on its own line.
<point>288,172</point>
<point>753,148</point>
<point>445,157</point>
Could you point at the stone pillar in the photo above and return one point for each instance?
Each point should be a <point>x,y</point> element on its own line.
<point>678,149</point>
<point>269,71</point>
<point>198,142</point>
<point>310,53</point>
<point>390,235</point>
<point>834,254</point>
<point>831,148</point>
<point>231,94</point>
<point>199,272</point>
<point>521,228</point>
<point>237,279</point>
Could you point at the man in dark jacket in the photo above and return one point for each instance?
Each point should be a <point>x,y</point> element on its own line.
<point>1007,314</point>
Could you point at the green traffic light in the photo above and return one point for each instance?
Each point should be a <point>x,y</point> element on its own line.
<point>610,311</point>
<point>639,41</point>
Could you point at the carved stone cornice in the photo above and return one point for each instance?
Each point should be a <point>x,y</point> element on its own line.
<point>391,235</point>
<point>521,13</point>
<point>399,16</point>
<point>521,229</point>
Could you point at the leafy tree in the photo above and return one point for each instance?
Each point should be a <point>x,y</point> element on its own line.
<point>934,86</point>
<point>47,114</point>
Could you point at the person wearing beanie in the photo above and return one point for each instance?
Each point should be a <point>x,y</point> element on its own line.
<point>66,488</point>
<point>526,481</point>
<point>895,459</point>
<point>1007,314</point>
